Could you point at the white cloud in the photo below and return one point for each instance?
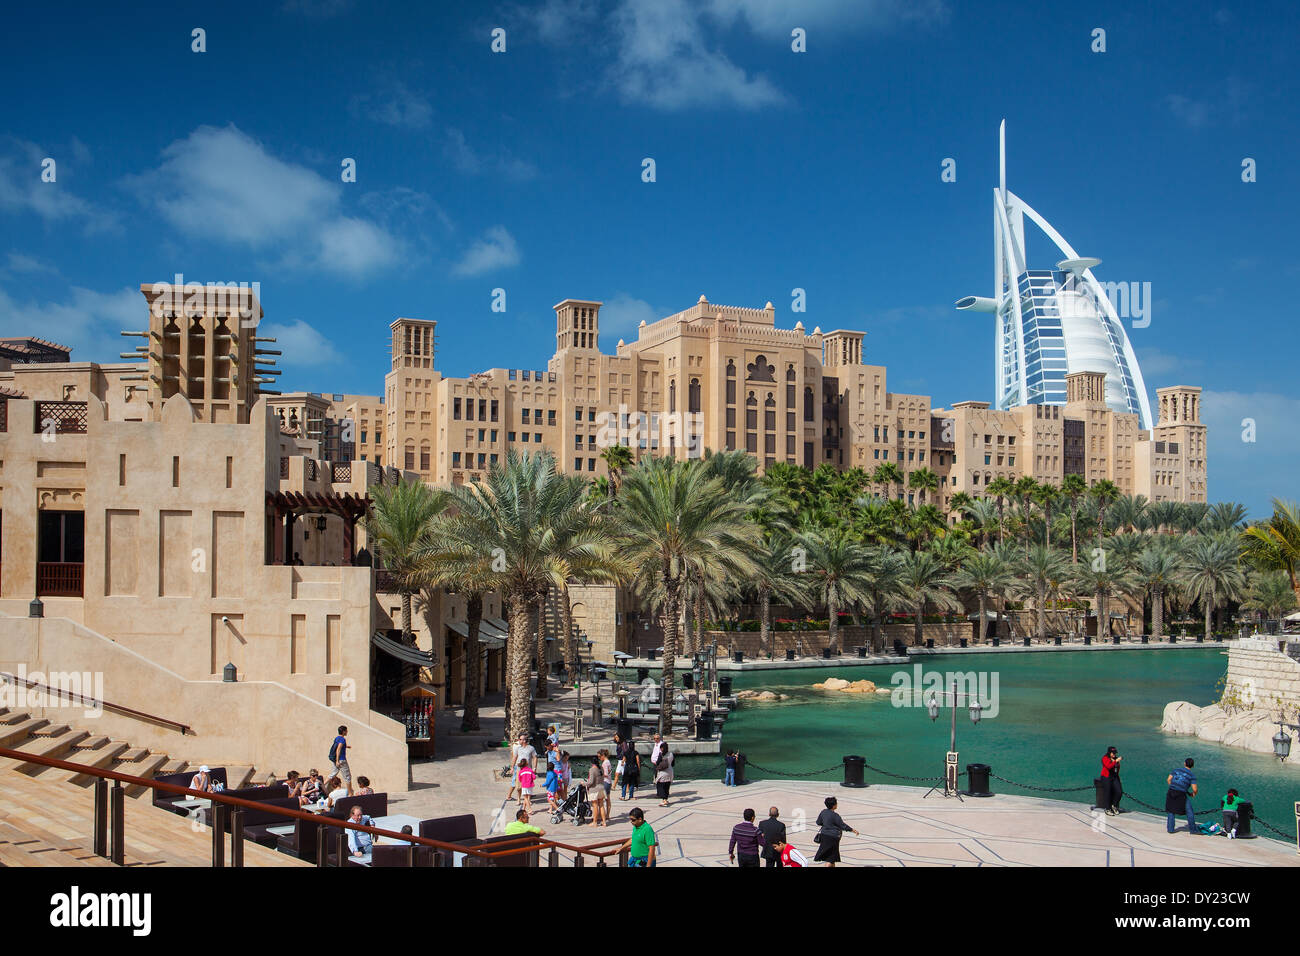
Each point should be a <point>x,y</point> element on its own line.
<point>396,105</point>
<point>496,250</point>
<point>1251,472</point>
<point>300,343</point>
<point>87,321</point>
<point>1158,366</point>
<point>473,163</point>
<point>622,315</point>
<point>664,62</point>
<point>222,184</point>
<point>1194,113</point>
<point>17,263</point>
<point>22,189</point>
<point>776,18</point>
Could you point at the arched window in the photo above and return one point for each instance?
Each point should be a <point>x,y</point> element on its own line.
<point>672,396</point>
<point>769,413</point>
<point>693,396</point>
<point>760,370</point>
<point>808,403</point>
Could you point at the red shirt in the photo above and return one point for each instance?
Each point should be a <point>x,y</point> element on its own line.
<point>1107,762</point>
<point>792,857</point>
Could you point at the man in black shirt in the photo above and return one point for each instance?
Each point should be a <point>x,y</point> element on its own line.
<point>773,831</point>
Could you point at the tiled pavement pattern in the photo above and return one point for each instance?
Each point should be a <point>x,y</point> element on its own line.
<point>900,827</point>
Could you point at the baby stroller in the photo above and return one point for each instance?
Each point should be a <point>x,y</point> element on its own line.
<point>575,805</point>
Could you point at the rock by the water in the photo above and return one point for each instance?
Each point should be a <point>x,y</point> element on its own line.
<point>848,687</point>
<point>1248,729</point>
<point>761,695</point>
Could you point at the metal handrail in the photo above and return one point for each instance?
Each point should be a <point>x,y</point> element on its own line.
<point>81,698</point>
<point>597,850</point>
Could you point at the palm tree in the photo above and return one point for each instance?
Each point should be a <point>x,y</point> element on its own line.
<point>1212,574</point>
<point>1163,516</point>
<point>1224,516</point>
<point>617,459</point>
<point>960,502</point>
<point>1103,492</point>
<point>882,588</point>
<point>399,518</point>
<point>923,524</point>
<point>1000,488</point>
<point>924,581</point>
<point>886,474</point>
<point>778,572</point>
<point>838,569</point>
<point>1073,487</point>
<point>924,481</point>
<point>1045,494</point>
<point>1270,595</point>
<point>1025,489</point>
<point>1103,578</point>
<point>675,514</point>
<point>1157,569</point>
<point>1041,571</point>
<point>1129,512</point>
<point>984,573</point>
<point>984,516</point>
<point>1274,545</point>
<point>951,550</point>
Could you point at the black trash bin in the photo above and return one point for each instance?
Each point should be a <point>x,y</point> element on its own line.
<point>738,657</point>
<point>704,725</point>
<point>688,680</point>
<point>1087,639</point>
<point>929,643</point>
<point>1200,638</point>
<point>724,686</point>
<point>625,729</point>
<point>740,769</point>
<point>854,772</point>
<point>1146,638</point>
<point>963,642</point>
<point>900,649</point>
<point>1245,813</point>
<point>1057,640</point>
<point>1026,642</point>
<point>1114,639</point>
<point>977,780</point>
<point>650,654</point>
<point>862,651</point>
<point>826,653</point>
<point>1101,799</point>
<point>997,642</point>
<point>789,653</point>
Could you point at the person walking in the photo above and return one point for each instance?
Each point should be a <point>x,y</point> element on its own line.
<point>521,750</point>
<point>643,845</point>
<point>566,775</point>
<point>607,771</point>
<point>527,777</point>
<point>1182,787</point>
<point>773,833</point>
<point>1110,773</point>
<point>658,743</point>
<point>596,793</point>
<point>631,772</point>
<point>339,757</point>
<point>664,773</point>
<point>830,827</point>
<point>746,841</point>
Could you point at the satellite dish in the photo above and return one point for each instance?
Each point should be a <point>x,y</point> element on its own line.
<point>1077,266</point>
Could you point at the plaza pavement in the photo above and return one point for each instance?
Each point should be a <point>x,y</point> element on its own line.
<point>899,825</point>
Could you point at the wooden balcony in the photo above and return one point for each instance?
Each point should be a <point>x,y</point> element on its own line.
<point>59,579</point>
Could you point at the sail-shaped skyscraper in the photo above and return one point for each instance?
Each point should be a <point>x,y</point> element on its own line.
<point>1051,322</point>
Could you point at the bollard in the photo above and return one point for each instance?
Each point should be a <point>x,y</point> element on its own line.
<point>977,780</point>
<point>854,767</point>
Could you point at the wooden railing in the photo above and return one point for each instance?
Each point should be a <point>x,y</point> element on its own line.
<point>59,579</point>
<point>66,694</point>
<point>110,841</point>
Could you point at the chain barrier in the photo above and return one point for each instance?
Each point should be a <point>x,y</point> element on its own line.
<point>715,770</point>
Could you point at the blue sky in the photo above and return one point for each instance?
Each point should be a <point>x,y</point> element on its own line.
<point>775,170</point>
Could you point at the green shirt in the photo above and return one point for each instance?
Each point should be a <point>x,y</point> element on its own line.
<point>518,826</point>
<point>1230,803</point>
<point>643,838</point>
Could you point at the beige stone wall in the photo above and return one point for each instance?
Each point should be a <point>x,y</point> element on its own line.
<point>261,723</point>
<point>1261,677</point>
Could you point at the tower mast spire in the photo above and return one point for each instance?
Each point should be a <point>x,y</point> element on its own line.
<point>1002,159</point>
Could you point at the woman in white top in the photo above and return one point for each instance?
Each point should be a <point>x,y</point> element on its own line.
<point>336,792</point>
<point>202,780</point>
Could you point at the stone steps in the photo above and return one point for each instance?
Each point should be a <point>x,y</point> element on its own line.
<point>54,745</point>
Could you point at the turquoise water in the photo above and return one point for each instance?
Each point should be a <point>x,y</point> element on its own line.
<point>1057,714</point>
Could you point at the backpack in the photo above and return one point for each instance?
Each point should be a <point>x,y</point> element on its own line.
<point>334,752</point>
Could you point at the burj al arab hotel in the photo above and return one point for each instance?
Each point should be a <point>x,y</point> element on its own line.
<point>1051,322</point>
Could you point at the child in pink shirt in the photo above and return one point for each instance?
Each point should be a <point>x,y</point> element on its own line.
<point>527,777</point>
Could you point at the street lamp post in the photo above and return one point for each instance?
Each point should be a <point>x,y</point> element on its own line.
<point>950,759</point>
<point>1281,739</point>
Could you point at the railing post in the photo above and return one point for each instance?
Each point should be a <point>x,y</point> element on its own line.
<point>410,855</point>
<point>237,837</point>
<point>622,857</point>
<point>218,821</point>
<point>341,847</point>
<point>553,858</point>
<point>578,860</point>
<point>101,817</point>
<point>322,846</point>
<point>117,809</point>
<point>600,861</point>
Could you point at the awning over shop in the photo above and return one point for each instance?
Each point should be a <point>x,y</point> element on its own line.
<point>490,635</point>
<point>403,652</point>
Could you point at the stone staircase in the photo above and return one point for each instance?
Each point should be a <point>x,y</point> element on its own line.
<point>46,822</point>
